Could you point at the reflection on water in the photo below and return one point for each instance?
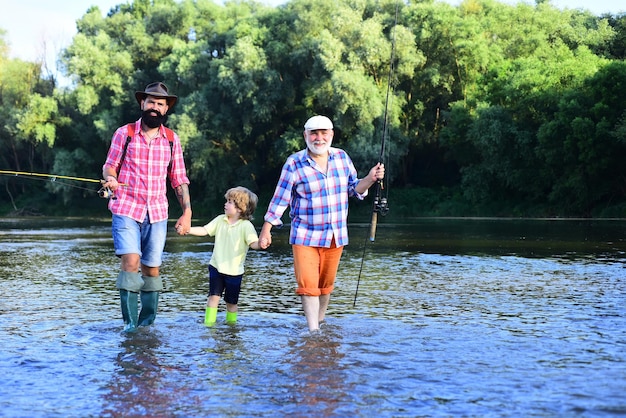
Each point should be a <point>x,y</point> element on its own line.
<point>453,318</point>
<point>136,388</point>
<point>320,381</point>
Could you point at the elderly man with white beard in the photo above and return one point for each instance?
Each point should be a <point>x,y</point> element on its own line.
<point>315,183</point>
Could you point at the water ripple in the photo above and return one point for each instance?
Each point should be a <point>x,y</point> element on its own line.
<point>517,330</point>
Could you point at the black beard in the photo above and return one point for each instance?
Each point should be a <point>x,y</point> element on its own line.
<point>151,120</point>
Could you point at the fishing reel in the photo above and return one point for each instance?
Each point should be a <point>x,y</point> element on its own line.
<point>380,205</point>
<point>106,192</point>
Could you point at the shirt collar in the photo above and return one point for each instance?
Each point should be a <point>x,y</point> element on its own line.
<point>304,154</point>
<point>225,219</point>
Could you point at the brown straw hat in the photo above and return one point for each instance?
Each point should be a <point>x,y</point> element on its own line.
<point>156,89</point>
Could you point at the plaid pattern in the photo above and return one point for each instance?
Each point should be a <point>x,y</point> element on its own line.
<point>144,171</point>
<point>318,202</point>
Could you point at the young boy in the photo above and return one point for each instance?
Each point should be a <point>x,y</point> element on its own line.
<point>234,234</point>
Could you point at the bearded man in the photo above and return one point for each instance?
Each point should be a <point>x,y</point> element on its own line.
<point>142,156</point>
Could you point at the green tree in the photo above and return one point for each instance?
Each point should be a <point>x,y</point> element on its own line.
<point>29,114</point>
<point>497,147</point>
<point>617,47</point>
<point>583,145</point>
<point>495,105</point>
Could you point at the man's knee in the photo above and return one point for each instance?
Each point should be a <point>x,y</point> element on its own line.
<point>130,262</point>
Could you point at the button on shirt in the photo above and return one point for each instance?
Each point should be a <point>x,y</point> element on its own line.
<point>144,173</point>
<point>317,201</point>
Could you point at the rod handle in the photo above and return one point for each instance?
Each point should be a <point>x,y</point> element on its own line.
<point>373,226</point>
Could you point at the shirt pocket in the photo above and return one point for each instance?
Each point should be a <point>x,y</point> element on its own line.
<point>313,184</point>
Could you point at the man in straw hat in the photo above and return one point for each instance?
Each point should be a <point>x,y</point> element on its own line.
<point>143,155</point>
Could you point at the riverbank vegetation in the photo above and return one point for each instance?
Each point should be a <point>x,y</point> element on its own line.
<point>494,109</point>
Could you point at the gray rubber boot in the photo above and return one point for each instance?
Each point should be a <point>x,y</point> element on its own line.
<point>129,285</point>
<point>149,299</point>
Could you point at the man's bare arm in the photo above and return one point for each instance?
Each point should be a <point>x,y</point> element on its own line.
<point>182,194</point>
<point>184,222</point>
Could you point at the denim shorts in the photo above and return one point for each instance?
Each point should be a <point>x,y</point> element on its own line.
<point>143,238</point>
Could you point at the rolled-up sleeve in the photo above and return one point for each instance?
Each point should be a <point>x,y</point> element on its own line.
<point>116,148</point>
<point>282,194</point>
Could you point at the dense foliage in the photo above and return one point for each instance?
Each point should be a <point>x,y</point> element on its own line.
<point>493,109</point>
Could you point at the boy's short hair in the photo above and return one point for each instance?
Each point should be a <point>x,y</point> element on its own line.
<point>244,199</point>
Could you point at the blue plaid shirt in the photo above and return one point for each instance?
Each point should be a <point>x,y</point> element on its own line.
<point>317,201</point>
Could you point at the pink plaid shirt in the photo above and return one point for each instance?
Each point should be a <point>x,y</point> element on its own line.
<point>144,173</point>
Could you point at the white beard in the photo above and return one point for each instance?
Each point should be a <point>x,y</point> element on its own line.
<point>318,149</point>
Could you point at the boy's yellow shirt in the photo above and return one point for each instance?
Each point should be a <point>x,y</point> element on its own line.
<point>232,243</point>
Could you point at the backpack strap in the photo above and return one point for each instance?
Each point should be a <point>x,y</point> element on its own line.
<point>169,134</point>
<point>131,134</point>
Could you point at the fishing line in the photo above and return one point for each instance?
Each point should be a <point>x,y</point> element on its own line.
<point>62,183</point>
<point>380,204</point>
<point>51,177</point>
<point>103,192</point>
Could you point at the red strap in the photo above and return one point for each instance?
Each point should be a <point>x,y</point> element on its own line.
<point>169,134</point>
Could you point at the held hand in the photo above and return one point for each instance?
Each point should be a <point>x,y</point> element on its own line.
<point>265,240</point>
<point>183,225</point>
<point>265,236</point>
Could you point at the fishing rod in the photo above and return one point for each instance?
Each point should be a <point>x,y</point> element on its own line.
<point>104,192</point>
<point>51,177</point>
<point>380,203</point>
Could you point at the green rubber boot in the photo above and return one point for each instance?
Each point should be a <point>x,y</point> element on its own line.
<point>149,304</point>
<point>149,299</point>
<point>129,284</point>
<point>231,317</point>
<point>210,316</point>
<point>130,307</point>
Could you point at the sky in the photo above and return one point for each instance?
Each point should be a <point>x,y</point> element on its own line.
<point>42,28</point>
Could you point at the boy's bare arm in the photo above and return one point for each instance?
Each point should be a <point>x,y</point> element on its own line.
<point>198,231</point>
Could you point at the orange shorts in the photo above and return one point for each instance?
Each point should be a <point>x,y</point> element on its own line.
<point>316,268</point>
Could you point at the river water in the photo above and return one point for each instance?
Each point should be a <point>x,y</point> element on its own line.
<point>472,317</point>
